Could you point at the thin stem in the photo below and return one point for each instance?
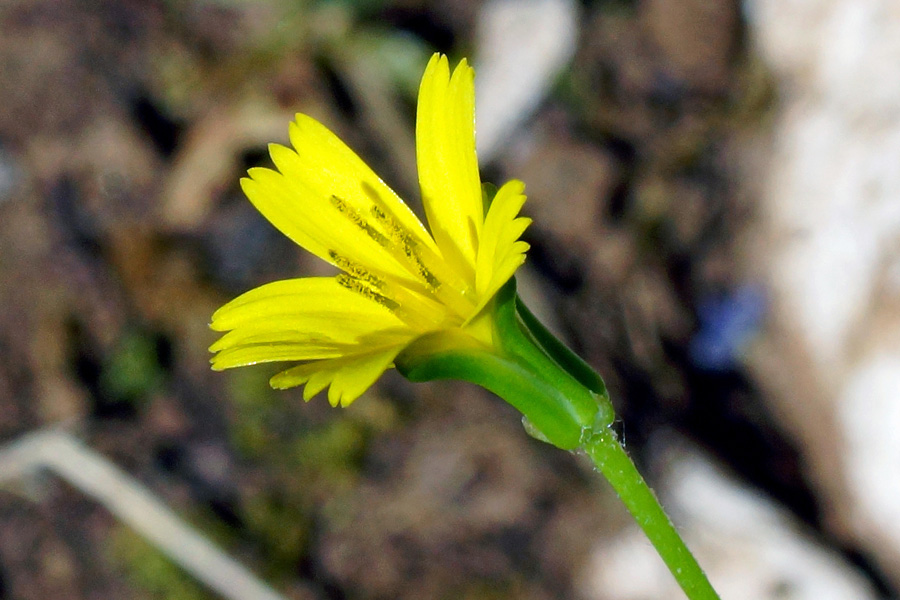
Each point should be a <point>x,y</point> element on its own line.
<point>610,458</point>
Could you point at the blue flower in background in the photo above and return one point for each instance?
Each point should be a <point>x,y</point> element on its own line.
<point>727,323</point>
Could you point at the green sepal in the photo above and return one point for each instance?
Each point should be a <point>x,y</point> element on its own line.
<point>434,357</point>
<point>517,368</point>
<point>562,354</point>
<point>521,334</point>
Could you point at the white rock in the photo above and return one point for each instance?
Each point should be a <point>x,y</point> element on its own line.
<point>522,45</point>
<point>871,461</point>
<point>831,223</point>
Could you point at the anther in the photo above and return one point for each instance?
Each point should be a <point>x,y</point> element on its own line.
<point>364,290</point>
<point>438,279</point>
<point>407,244</point>
<point>356,270</point>
<point>358,220</point>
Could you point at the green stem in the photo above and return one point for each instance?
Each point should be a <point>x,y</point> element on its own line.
<point>610,458</point>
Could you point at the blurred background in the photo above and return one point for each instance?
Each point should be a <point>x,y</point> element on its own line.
<point>716,195</point>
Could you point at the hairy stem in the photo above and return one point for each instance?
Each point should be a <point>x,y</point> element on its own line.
<point>611,460</point>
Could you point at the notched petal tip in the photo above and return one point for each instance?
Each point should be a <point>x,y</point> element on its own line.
<point>438,61</point>
<point>516,186</point>
<point>253,176</point>
<point>282,382</point>
<point>334,396</point>
<point>303,119</point>
<point>347,378</point>
<point>279,150</point>
<point>462,82</point>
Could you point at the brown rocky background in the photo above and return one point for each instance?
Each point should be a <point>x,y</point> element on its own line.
<point>124,128</point>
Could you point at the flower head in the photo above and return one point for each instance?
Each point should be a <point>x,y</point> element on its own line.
<point>397,281</point>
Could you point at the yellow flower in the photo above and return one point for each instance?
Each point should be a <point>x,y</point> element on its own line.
<point>397,281</point>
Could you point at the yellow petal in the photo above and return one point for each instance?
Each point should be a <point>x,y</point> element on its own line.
<point>318,379</point>
<point>301,319</point>
<point>447,163</point>
<point>310,298</point>
<point>242,356</point>
<point>353,379</point>
<point>501,252</point>
<point>348,377</point>
<point>326,199</point>
<point>332,168</point>
<point>311,219</point>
